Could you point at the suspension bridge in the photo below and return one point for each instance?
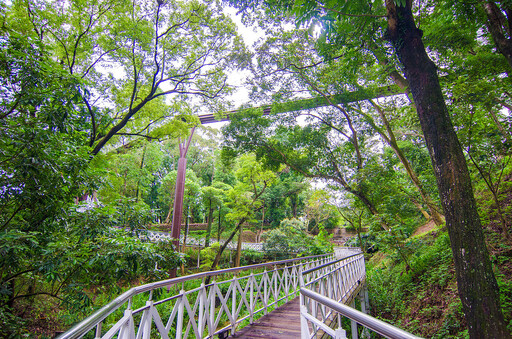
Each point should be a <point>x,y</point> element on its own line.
<point>311,297</point>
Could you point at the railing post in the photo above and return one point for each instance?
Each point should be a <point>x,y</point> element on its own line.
<point>265,290</point>
<point>127,331</point>
<point>286,278</point>
<point>181,311</point>
<point>147,320</point>
<point>97,334</point>
<point>202,305</point>
<point>211,315</point>
<point>295,272</point>
<point>340,333</point>
<point>275,277</point>
<point>251,301</point>
<point>233,305</point>
<point>353,324</point>
<point>363,299</point>
<point>366,299</point>
<point>304,327</point>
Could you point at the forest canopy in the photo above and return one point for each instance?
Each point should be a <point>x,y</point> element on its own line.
<point>374,116</point>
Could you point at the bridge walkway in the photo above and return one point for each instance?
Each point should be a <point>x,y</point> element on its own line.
<point>281,323</point>
<point>330,288</point>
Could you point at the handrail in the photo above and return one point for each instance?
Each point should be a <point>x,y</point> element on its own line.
<point>90,322</point>
<point>370,322</point>
<point>313,269</point>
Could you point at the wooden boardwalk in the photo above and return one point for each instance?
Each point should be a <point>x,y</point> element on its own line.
<point>281,323</point>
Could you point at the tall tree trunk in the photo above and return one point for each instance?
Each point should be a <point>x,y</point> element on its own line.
<point>178,196</point>
<point>294,199</point>
<point>498,25</point>
<point>219,229</point>
<point>239,247</point>
<point>258,239</point>
<point>209,225</point>
<point>223,247</point>
<point>184,245</point>
<point>169,214</point>
<point>140,168</point>
<point>187,225</point>
<point>477,285</point>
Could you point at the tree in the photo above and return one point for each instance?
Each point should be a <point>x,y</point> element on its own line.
<point>130,172</point>
<point>293,57</point>
<point>212,199</point>
<point>319,209</point>
<point>476,282</point>
<point>317,150</point>
<point>244,198</point>
<point>52,249</point>
<point>477,285</point>
<point>285,199</point>
<point>132,55</point>
<point>291,237</point>
<point>498,16</point>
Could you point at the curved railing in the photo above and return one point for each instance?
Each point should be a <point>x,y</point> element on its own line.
<point>198,309</point>
<point>374,324</point>
<point>329,292</point>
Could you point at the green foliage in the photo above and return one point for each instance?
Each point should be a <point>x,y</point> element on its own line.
<point>321,243</point>
<point>245,196</point>
<point>60,99</point>
<point>505,286</point>
<point>43,157</point>
<point>320,211</point>
<point>121,50</point>
<point>67,263</point>
<point>12,325</point>
<point>291,238</point>
<point>250,257</point>
<point>396,293</point>
<point>208,255</point>
<point>50,247</point>
<point>133,214</point>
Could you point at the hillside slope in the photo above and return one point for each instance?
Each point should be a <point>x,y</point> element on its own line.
<point>423,299</point>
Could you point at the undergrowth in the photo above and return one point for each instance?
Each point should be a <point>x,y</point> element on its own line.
<point>424,299</point>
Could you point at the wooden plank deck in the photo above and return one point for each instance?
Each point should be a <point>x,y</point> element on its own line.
<point>281,323</point>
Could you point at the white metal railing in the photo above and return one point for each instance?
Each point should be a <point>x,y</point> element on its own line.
<point>198,309</point>
<point>325,292</point>
<point>342,252</point>
<point>191,241</point>
<point>374,324</point>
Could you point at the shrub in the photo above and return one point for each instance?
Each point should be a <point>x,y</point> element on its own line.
<point>250,257</point>
<point>208,256</point>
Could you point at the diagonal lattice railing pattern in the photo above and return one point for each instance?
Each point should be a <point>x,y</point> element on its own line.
<point>188,307</point>
<point>328,293</point>
<point>339,280</point>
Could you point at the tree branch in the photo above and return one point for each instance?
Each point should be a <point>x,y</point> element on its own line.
<point>352,15</point>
